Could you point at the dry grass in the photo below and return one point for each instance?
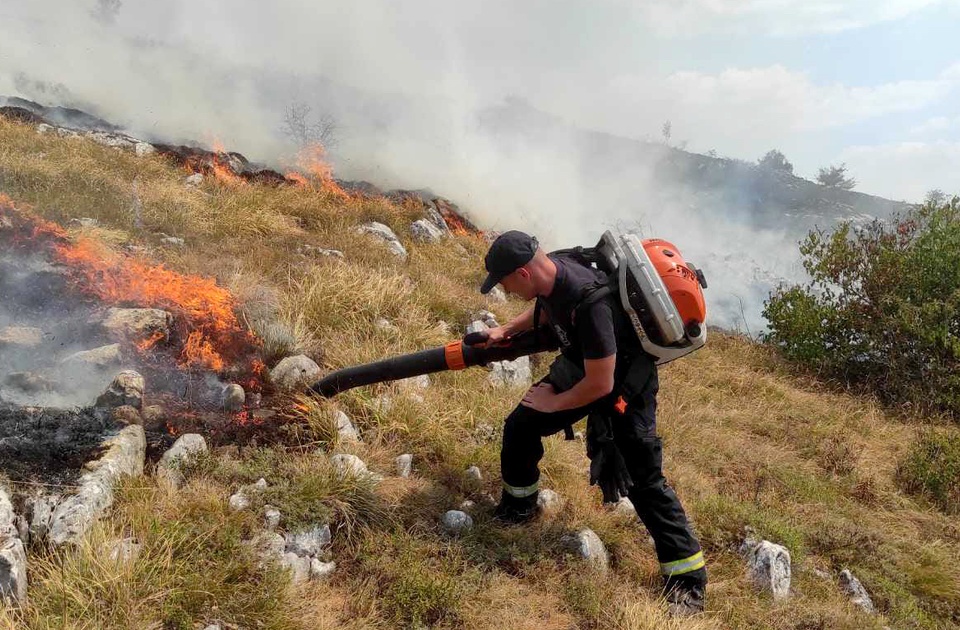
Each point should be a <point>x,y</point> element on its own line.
<point>746,442</point>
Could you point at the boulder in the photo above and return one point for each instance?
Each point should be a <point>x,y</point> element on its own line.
<point>385,234</point>
<point>294,373</point>
<point>858,594</point>
<point>234,398</point>
<point>588,546</point>
<point>456,522</point>
<point>126,389</point>
<point>187,448</point>
<point>13,571</point>
<point>123,455</point>
<point>309,542</point>
<point>139,323</point>
<point>423,231</point>
<point>768,566</point>
<point>40,509</point>
<point>22,336</point>
<point>511,373</point>
<point>404,465</point>
<point>99,358</point>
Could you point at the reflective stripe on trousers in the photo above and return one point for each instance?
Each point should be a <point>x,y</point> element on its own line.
<point>521,492</point>
<point>685,565</point>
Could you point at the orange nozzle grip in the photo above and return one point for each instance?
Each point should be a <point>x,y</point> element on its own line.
<point>453,353</point>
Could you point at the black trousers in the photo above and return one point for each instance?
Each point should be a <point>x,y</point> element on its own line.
<point>657,505</point>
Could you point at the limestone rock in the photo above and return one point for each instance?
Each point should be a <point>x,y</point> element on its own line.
<point>123,455</point>
<point>588,546</point>
<point>385,234</point>
<point>101,358</point>
<point>415,382</point>
<point>345,428</point>
<point>295,372</point>
<point>404,465</point>
<point>126,414</point>
<point>768,566</point>
<point>347,464</point>
<point>126,389</point>
<point>123,551</point>
<point>476,326</point>
<point>187,448</point>
<point>423,231</point>
<point>308,542</point>
<point>22,336</point>
<point>172,241</point>
<point>299,567</point>
<point>40,509</point>
<point>511,373</point>
<point>139,323</point>
<point>549,501</point>
<point>473,474</point>
<point>13,571</point>
<point>271,517</point>
<point>269,546</point>
<point>456,522</point>
<point>623,507</point>
<point>144,148</point>
<point>234,398</point>
<point>497,295</point>
<point>858,594</point>
<point>320,570</point>
<point>194,180</point>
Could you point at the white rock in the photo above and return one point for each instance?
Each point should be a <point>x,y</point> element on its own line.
<point>13,571</point>
<point>623,507</point>
<point>173,241</point>
<point>260,485</point>
<point>347,464</point>
<point>102,357</point>
<point>194,180</point>
<point>239,501</point>
<point>320,570</point>
<point>269,546</point>
<point>858,594</point>
<point>271,517</point>
<point>467,506</point>
<point>549,501</point>
<point>123,455</point>
<point>768,566</point>
<point>404,465</point>
<point>415,382</point>
<point>456,522</point>
<point>386,326</point>
<point>473,473</point>
<point>23,336</point>
<point>511,373</point>
<point>308,542</point>
<point>137,322</point>
<point>123,551</point>
<point>7,516</point>
<point>233,398</point>
<point>588,546</point>
<point>299,567</point>
<point>187,448</point>
<point>144,148</point>
<point>385,234</point>
<point>476,326</point>
<point>44,128</point>
<point>295,372</point>
<point>497,295</point>
<point>41,509</point>
<point>423,231</point>
<point>214,626</point>
<point>126,388</point>
<point>345,428</point>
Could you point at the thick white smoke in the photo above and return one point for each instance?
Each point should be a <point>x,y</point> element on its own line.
<point>422,95</point>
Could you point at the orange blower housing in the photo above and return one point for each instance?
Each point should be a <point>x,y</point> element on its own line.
<point>680,279</point>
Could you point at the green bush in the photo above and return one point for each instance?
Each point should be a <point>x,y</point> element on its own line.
<point>932,469</point>
<point>882,307</point>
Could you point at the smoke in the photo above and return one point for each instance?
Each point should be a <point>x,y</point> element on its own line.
<point>449,96</point>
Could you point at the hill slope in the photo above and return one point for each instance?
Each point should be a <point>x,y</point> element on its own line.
<point>746,443</point>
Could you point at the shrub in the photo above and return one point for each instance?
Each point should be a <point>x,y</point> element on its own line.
<point>932,469</point>
<point>882,308</point>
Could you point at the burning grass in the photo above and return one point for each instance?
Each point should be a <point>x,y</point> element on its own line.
<point>746,442</point>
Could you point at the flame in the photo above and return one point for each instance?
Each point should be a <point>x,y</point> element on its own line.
<point>312,160</point>
<point>203,311</point>
<point>145,344</point>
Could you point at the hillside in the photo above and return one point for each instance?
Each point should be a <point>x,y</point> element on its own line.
<point>747,443</point>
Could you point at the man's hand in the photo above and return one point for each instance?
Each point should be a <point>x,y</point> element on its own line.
<point>541,397</point>
<point>494,336</point>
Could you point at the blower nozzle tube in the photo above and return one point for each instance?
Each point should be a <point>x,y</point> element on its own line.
<point>456,355</point>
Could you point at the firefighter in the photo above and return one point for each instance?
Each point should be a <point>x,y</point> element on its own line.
<point>602,373</point>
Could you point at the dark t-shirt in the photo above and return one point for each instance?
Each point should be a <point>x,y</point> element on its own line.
<point>600,330</point>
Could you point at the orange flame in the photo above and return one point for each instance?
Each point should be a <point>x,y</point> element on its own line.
<point>204,310</point>
<point>313,161</point>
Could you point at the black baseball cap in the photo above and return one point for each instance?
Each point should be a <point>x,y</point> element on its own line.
<point>508,253</point>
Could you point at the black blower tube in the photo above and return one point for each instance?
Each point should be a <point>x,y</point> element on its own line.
<point>456,355</point>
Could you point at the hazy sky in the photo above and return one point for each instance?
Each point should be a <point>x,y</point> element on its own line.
<point>873,83</point>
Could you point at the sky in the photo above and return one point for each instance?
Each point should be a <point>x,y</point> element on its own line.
<point>872,84</point>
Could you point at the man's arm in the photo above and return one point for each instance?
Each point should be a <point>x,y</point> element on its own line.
<point>597,383</point>
<point>520,323</point>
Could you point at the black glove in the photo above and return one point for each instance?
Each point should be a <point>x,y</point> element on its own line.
<point>608,469</point>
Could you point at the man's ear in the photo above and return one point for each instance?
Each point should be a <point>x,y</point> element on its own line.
<point>524,273</point>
